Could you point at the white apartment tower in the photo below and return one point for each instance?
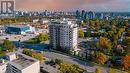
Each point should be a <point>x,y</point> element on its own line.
<point>63,33</point>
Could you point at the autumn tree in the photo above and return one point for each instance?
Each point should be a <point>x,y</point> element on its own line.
<point>110,70</point>
<point>126,62</point>
<point>126,22</point>
<point>100,58</point>
<point>35,55</point>
<point>103,44</point>
<point>70,68</point>
<point>98,70</point>
<point>80,34</point>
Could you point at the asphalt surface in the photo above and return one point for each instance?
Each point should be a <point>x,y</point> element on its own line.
<point>82,64</point>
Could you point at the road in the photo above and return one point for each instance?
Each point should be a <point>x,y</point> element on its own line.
<point>82,64</point>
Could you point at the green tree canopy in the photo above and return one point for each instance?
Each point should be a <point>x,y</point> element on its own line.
<point>8,45</point>
<point>70,68</point>
<point>42,37</point>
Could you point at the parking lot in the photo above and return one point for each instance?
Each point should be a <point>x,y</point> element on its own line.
<point>14,37</point>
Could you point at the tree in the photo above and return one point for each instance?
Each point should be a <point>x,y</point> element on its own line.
<point>103,44</point>
<point>81,34</point>
<point>126,42</point>
<point>58,61</point>
<point>8,45</point>
<point>114,39</point>
<point>119,31</point>
<point>42,37</point>
<point>113,22</point>
<point>110,34</point>
<point>100,58</point>
<point>35,55</point>
<point>119,50</point>
<point>27,52</point>
<point>128,33</point>
<point>83,23</point>
<point>126,62</point>
<point>98,70</point>
<point>88,32</point>
<point>110,70</point>
<point>126,23</point>
<point>70,68</point>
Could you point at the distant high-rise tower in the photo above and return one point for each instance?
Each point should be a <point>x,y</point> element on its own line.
<point>78,16</point>
<point>63,33</point>
<point>91,15</point>
<point>83,14</point>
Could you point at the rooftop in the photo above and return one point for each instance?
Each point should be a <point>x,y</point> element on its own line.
<point>22,61</point>
<point>3,62</point>
<point>62,21</point>
<point>18,26</point>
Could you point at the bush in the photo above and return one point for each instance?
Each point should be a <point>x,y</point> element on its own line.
<point>58,61</point>
<point>70,68</point>
<point>33,54</point>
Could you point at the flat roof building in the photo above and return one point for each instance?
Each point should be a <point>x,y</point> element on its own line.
<point>19,29</point>
<point>20,63</point>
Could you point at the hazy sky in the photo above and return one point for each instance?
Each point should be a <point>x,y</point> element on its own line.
<point>69,5</point>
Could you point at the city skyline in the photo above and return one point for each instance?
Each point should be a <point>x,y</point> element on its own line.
<point>72,5</point>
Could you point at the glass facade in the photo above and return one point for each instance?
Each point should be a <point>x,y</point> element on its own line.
<point>16,30</point>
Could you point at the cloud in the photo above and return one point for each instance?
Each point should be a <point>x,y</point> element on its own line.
<point>93,5</point>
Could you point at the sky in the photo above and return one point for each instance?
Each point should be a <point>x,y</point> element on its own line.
<point>72,5</point>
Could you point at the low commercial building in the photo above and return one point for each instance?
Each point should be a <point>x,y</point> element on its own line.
<point>19,63</point>
<point>19,29</point>
<point>44,23</point>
